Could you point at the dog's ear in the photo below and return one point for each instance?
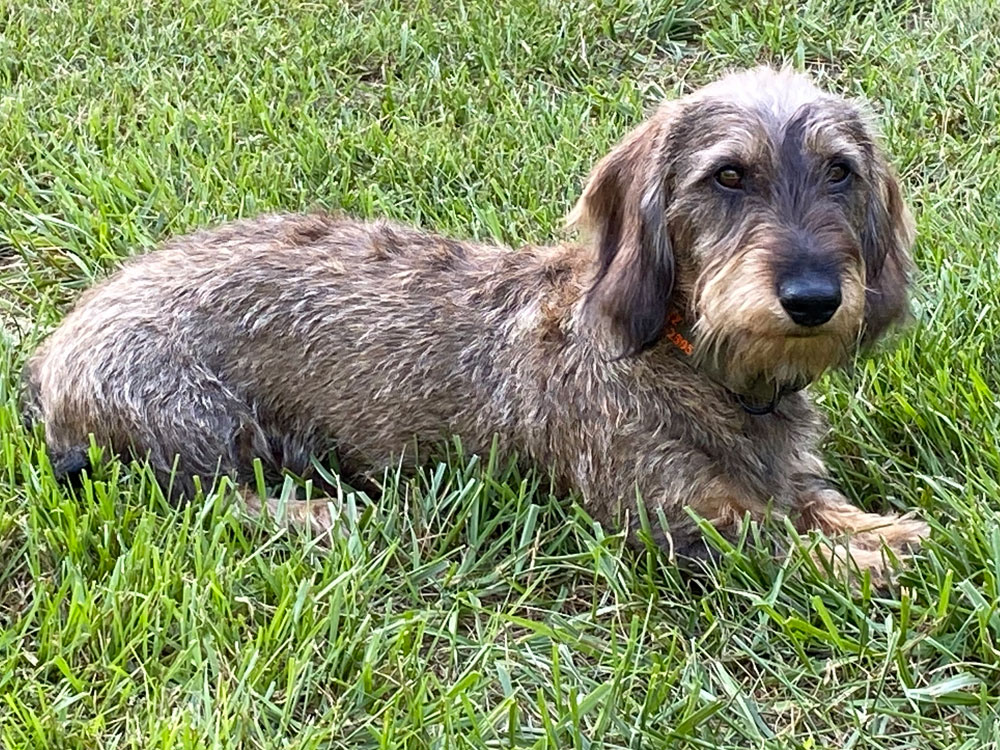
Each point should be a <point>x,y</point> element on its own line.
<point>623,205</point>
<point>886,240</point>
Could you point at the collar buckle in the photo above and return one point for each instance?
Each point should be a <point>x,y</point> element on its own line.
<point>756,410</point>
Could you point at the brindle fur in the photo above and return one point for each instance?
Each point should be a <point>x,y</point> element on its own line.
<point>283,337</point>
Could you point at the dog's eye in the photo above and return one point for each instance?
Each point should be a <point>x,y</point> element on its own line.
<point>838,173</point>
<point>730,177</point>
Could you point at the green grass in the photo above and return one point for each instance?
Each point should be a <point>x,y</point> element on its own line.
<point>470,607</point>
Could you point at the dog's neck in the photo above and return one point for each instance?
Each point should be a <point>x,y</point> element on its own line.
<point>760,398</point>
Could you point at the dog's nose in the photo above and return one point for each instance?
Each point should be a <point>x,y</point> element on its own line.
<point>810,299</point>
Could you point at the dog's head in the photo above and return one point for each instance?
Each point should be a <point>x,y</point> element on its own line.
<point>764,210</point>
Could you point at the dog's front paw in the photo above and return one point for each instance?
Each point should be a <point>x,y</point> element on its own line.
<point>883,565</point>
<point>860,541</point>
<point>904,534</point>
<point>830,512</point>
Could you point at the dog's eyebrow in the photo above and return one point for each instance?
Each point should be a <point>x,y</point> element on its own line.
<point>733,151</point>
<point>826,138</point>
<point>850,159</point>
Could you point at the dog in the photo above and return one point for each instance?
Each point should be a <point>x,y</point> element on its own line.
<point>743,240</point>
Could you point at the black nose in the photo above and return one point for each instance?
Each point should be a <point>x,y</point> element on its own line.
<point>810,299</point>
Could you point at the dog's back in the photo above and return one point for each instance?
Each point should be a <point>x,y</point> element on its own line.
<point>283,337</point>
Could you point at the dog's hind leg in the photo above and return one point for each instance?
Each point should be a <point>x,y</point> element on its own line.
<point>171,412</point>
<point>150,403</point>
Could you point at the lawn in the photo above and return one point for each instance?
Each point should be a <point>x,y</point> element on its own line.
<point>469,607</point>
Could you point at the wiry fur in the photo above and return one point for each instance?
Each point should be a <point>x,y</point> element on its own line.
<point>286,336</point>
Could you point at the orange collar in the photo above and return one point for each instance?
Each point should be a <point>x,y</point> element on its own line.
<point>675,333</point>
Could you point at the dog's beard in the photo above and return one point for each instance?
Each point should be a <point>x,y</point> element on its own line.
<point>755,364</point>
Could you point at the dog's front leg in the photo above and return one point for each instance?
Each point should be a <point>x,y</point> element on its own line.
<point>855,533</point>
<point>686,481</point>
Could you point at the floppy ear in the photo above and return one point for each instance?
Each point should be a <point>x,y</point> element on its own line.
<point>886,240</point>
<point>623,204</point>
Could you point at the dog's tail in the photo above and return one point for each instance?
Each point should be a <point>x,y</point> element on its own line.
<point>67,464</point>
<point>29,398</point>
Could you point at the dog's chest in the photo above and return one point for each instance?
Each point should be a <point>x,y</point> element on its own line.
<point>771,448</point>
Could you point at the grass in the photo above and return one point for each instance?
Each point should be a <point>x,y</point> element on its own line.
<point>470,608</point>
